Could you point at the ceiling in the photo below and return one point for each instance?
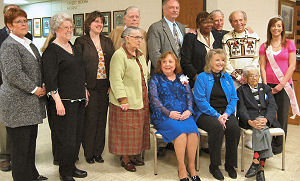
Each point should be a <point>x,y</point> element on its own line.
<point>23,2</point>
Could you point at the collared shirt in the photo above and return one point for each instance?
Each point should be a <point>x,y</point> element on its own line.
<point>129,55</point>
<point>26,43</point>
<point>170,24</point>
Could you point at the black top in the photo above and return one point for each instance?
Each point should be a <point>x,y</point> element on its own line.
<point>217,97</point>
<point>193,54</point>
<point>63,72</point>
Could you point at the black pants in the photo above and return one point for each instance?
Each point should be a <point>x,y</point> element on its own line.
<point>23,145</point>
<point>53,138</point>
<point>68,134</point>
<point>95,120</point>
<point>283,103</point>
<point>215,137</point>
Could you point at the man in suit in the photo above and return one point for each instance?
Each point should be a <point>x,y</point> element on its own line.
<point>4,141</point>
<point>257,111</point>
<point>166,34</point>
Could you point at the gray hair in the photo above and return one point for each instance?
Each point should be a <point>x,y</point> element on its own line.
<point>216,12</point>
<point>240,11</point>
<point>166,1</point>
<point>57,20</point>
<point>248,68</point>
<point>131,8</point>
<point>127,32</point>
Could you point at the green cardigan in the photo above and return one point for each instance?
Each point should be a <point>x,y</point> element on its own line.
<point>125,79</point>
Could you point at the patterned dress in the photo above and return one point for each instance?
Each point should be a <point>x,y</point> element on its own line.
<point>166,96</point>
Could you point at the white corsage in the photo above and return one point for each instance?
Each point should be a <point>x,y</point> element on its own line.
<point>184,80</point>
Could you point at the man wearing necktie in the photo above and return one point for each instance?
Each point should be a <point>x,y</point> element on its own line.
<point>166,34</point>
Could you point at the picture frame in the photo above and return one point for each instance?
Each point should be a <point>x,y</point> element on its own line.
<point>29,25</point>
<point>79,24</point>
<point>118,18</point>
<point>37,29</point>
<point>286,9</point>
<point>107,25</point>
<point>45,26</point>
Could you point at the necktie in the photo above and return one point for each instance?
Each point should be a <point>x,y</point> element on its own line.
<point>176,37</point>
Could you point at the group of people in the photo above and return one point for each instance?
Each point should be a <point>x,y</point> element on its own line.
<point>208,78</point>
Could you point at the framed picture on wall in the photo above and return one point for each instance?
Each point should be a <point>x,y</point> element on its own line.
<point>286,9</point>
<point>118,18</point>
<point>45,26</point>
<point>79,24</point>
<point>107,25</point>
<point>29,25</point>
<point>37,30</point>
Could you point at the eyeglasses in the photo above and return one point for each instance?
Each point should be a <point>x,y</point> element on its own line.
<point>137,37</point>
<point>67,28</point>
<point>25,21</point>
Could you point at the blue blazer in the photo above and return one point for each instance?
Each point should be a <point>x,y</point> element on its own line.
<point>202,91</point>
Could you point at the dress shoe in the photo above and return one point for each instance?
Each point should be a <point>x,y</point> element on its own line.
<point>128,166</point>
<point>195,178</point>
<point>161,152</point>
<point>231,171</point>
<point>252,171</point>
<point>260,176</point>
<point>99,159</point>
<point>40,177</point>
<point>90,160</point>
<point>5,166</point>
<point>66,178</point>
<point>216,172</point>
<point>184,179</point>
<point>79,173</point>
<point>137,162</point>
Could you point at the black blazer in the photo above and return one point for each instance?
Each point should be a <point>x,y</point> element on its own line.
<point>86,48</point>
<point>193,54</point>
<point>248,108</point>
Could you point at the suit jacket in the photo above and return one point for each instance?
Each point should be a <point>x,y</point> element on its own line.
<point>160,39</point>
<point>193,54</point>
<point>87,50</point>
<point>219,35</point>
<point>3,36</point>
<point>248,108</point>
<point>21,74</point>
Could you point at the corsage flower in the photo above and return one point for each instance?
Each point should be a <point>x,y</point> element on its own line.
<point>184,79</point>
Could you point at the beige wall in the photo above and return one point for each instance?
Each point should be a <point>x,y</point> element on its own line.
<point>1,14</point>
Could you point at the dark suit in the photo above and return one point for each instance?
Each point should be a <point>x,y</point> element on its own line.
<point>96,113</point>
<point>160,39</point>
<point>193,54</point>
<point>248,108</point>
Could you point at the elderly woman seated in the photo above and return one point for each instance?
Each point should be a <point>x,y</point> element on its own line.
<point>257,110</point>
<point>216,98</point>
<point>171,105</point>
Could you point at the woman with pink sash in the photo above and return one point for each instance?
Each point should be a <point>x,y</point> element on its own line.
<point>277,59</point>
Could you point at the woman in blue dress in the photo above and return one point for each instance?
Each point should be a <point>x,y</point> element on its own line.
<point>171,105</point>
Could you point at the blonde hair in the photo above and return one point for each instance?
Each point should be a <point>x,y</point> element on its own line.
<point>209,57</point>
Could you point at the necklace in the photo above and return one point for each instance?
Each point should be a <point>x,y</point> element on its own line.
<point>273,44</point>
<point>206,37</point>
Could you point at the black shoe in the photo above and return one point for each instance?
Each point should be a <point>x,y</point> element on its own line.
<point>231,171</point>
<point>260,176</point>
<point>90,160</point>
<point>216,172</point>
<point>184,179</point>
<point>99,159</point>
<point>137,162</point>
<point>252,171</point>
<point>195,178</point>
<point>40,177</point>
<point>79,173</point>
<point>161,152</point>
<point>66,178</point>
<point>55,162</point>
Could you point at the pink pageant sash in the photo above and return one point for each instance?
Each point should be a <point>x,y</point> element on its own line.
<point>288,88</point>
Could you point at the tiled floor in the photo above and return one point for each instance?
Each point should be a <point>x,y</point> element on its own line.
<point>111,169</point>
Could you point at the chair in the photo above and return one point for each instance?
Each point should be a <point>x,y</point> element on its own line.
<point>273,132</point>
<point>159,136</point>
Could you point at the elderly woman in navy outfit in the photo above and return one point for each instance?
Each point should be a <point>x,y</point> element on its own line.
<point>171,105</point>
<point>216,98</point>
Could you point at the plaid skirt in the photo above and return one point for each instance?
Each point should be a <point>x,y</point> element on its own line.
<point>128,130</point>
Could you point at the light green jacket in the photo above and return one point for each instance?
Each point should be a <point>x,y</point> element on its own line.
<point>125,79</point>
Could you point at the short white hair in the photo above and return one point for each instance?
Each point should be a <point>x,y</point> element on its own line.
<point>249,68</point>
<point>57,20</point>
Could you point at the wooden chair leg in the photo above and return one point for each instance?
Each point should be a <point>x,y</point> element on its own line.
<point>197,155</point>
<point>155,152</point>
<point>242,151</point>
<point>283,152</point>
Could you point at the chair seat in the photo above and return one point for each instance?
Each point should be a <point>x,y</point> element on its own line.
<point>155,131</point>
<point>202,132</point>
<point>276,131</point>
